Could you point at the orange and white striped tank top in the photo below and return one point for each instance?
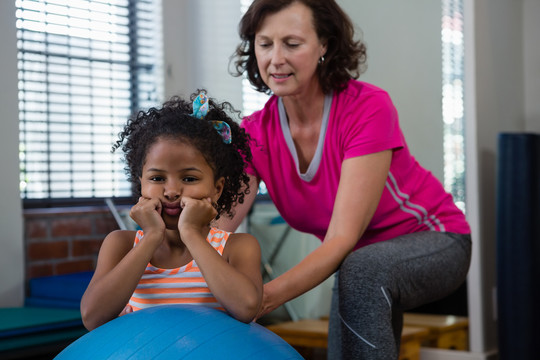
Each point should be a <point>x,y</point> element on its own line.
<point>183,285</point>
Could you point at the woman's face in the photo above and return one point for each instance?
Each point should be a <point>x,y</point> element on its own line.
<point>288,49</point>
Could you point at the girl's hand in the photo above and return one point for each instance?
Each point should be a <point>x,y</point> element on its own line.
<point>147,214</point>
<point>196,214</point>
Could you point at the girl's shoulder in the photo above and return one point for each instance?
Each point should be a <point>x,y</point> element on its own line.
<point>124,234</point>
<point>241,243</point>
<point>239,237</point>
<point>120,239</point>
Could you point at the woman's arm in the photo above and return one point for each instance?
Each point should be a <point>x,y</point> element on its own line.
<point>360,188</point>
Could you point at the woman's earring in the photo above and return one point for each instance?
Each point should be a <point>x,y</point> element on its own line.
<point>321,60</point>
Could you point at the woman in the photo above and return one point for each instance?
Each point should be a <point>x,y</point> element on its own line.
<point>332,155</point>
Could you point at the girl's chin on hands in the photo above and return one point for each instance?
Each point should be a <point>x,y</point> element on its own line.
<point>196,216</point>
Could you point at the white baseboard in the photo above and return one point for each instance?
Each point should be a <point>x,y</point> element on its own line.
<point>440,354</point>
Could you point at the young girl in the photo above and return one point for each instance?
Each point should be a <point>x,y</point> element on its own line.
<point>186,164</point>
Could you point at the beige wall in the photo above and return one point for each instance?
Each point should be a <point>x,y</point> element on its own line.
<point>199,38</point>
<point>502,87</point>
<point>531,65</point>
<point>403,41</point>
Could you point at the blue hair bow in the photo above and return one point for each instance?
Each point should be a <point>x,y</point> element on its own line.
<point>200,109</point>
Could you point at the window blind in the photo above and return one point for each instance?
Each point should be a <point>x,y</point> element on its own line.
<point>83,67</point>
<point>453,99</point>
<point>252,100</point>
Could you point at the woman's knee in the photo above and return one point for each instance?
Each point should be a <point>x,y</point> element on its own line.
<point>362,274</point>
<point>365,264</point>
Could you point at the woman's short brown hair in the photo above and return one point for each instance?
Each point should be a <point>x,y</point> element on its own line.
<point>345,58</point>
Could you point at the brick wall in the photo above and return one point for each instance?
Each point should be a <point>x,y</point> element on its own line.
<point>64,240</point>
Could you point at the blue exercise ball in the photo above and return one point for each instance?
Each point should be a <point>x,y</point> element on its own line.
<point>179,332</point>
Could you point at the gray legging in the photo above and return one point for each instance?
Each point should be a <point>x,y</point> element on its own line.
<point>378,282</point>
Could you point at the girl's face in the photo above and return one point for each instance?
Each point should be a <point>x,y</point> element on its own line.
<point>174,169</point>
<point>288,49</point>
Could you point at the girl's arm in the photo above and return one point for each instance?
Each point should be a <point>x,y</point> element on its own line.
<point>234,278</point>
<point>360,188</point>
<point>118,271</point>
<point>119,268</point>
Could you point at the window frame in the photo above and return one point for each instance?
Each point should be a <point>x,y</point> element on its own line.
<point>138,62</point>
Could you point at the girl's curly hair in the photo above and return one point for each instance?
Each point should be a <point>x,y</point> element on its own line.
<point>174,121</point>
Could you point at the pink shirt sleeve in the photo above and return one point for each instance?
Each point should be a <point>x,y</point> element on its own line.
<point>369,123</point>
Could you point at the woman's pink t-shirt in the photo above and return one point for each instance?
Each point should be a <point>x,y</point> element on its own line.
<point>359,120</point>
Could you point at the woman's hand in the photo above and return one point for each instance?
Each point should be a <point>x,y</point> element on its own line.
<point>196,215</point>
<point>270,300</point>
